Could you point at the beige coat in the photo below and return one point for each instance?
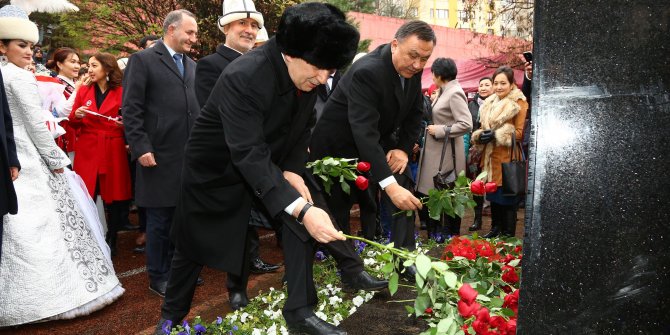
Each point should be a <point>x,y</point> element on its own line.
<point>506,117</point>
<point>449,110</point>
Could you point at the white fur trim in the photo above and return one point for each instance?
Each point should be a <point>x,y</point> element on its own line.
<point>224,20</point>
<point>14,28</point>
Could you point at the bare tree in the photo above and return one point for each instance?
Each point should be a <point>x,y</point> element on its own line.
<point>403,9</point>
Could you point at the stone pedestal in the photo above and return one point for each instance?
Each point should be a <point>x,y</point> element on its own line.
<point>597,239</point>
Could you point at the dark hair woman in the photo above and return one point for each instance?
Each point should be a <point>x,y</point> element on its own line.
<point>503,114</point>
<point>100,156</point>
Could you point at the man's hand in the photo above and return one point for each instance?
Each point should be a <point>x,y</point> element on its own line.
<point>402,198</point>
<point>298,184</point>
<point>318,225</point>
<point>14,172</point>
<point>147,160</point>
<point>397,160</point>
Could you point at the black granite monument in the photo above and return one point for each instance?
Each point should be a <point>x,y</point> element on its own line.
<point>597,240</point>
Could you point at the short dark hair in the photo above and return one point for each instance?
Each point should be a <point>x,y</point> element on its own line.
<point>507,71</point>
<point>109,64</point>
<point>175,17</point>
<point>147,39</point>
<point>444,68</point>
<point>485,78</point>
<point>421,29</point>
<point>59,56</point>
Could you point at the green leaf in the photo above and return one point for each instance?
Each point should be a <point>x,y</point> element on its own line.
<point>514,263</point>
<point>408,262</point>
<point>409,309</point>
<point>419,281</point>
<point>421,303</point>
<point>345,186</point>
<point>444,325</point>
<point>388,268</point>
<point>393,283</point>
<point>423,265</point>
<point>481,176</point>
<point>440,266</point>
<point>496,302</point>
<point>330,161</point>
<point>451,279</point>
<point>482,297</point>
<point>507,312</point>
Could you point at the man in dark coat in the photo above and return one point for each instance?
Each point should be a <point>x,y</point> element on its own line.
<point>249,148</point>
<point>9,162</point>
<point>374,114</point>
<point>159,108</point>
<point>240,25</point>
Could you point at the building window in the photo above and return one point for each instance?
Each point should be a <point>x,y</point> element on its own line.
<point>462,16</point>
<point>432,13</point>
<point>490,16</point>
<point>490,31</point>
<point>442,13</point>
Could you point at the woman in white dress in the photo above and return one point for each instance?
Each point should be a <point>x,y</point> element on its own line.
<point>54,263</point>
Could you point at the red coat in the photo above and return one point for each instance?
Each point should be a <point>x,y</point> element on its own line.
<point>100,151</point>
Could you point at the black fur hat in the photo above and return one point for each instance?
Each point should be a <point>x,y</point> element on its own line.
<point>319,34</point>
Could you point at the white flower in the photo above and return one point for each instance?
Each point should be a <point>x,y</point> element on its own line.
<point>321,316</point>
<point>352,310</point>
<point>322,306</point>
<point>272,330</point>
<point>337,318</point>
<point>243,317</point>
<point>358,301</point>
<point>265,299</point>
<point>233,318</point>
<point>283,330</point>
<point>329,286</point>
<point>272,288</point>
<point>335,300</point>
<point>276,315</point>
<point>267,313</point>
<point>369,261</point>
<point>256,332</point>
<point>368,296</point>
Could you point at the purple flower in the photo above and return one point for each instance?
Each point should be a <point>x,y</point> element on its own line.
<point>199,329</point>
<point>187,328</point>
<point>235,328</point>
<point>219,320</point>
<point>167,327</point>
<point>359,246</point>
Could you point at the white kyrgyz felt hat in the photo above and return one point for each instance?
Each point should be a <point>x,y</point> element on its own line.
<point>237,10</point>
<point>262,35</point>
<point>15,25</point>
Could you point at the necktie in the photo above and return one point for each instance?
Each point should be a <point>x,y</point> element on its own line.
<point>180,64</point>
<point>402,83</point>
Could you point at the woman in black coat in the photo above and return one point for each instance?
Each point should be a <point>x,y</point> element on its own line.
<point>9,162</point>
<point>484,91</point>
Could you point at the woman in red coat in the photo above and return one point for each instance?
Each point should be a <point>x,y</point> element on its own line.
<point>100,152</point>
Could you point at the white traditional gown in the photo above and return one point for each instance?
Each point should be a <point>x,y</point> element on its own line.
<point>55,263</point>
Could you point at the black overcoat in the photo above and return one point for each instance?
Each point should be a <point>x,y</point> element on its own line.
<point>7,157</point>
<point>208,70</point>
<point>159,107</point>
<point>254,125</point>
<point>369,113</point>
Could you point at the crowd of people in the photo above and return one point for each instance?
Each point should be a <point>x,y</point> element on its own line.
<point>209,151</point>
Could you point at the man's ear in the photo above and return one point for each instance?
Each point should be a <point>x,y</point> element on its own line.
<point>394,45</point>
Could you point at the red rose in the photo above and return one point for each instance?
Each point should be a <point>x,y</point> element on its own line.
<point>483,315</point>
<point>511,301</point>
<point>509,275</point>
<point>508,258</point>
<point>499,323</point>
<point>363,166</point>
<point>467,310</point>
<point>477,187</point>
<point>428,311</point>
<point>467,293</point>
<point>361,183</point>
<point>490,187</point>
<point>511,327</point>
<point>480,327</point>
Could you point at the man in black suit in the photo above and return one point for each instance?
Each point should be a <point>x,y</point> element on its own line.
<point>240,24</point>
<point>374,114</point>
<point>9,161</point>
<point>249,149</point>
<point>159,108</point>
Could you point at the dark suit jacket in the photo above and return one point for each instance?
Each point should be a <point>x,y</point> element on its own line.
<point>368,114</point>
<point>159,107</point>
<point>239,146</point>
<point>7,157</point>
<point>209,69</point>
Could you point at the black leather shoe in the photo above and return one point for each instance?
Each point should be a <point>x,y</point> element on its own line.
<point>158,288</point>
<point>363,281</point>
<point>129,226</point>
<point>495,232</point>
<point>258,266</point>
<point>409,274</point>
<point>139,249</point>
<point>200,281</point>
<point>237,300</point>
<point>476,225</point>
<point>313,326</point>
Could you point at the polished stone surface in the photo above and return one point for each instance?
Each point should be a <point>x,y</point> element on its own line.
<point>597,239</point>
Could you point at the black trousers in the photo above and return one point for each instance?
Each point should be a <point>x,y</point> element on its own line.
<point>301,298</point>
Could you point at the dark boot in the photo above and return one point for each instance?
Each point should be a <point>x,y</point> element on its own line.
<point>477,224</point>
<point>509,221</point>
<point>113,225</point>
<point>451,226</point>
<point>434,230</point>
<point>496,217</point>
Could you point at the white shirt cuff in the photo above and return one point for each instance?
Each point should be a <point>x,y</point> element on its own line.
<point>290,208</point>
<point>387,181</point>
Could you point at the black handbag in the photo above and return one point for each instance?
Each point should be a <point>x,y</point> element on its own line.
<point>515,173</point>
<point>446,180</point>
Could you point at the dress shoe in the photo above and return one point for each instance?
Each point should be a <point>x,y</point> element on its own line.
<point>139,249</point>
<point>313,325</point>
<point>200,281</point>
<point>409,274</point>
<point>258,266</point>
<point>129,226</point>
<point>476,225</point>
<point>362,281</point>
<point>237,300</point>
<point>158,288</point>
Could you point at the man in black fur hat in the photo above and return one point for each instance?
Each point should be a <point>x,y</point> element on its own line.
<point>248,148</point>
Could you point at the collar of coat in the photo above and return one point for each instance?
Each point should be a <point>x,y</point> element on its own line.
<point>271,50</point>
<point>495,112</point>
<point>227,52</point>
